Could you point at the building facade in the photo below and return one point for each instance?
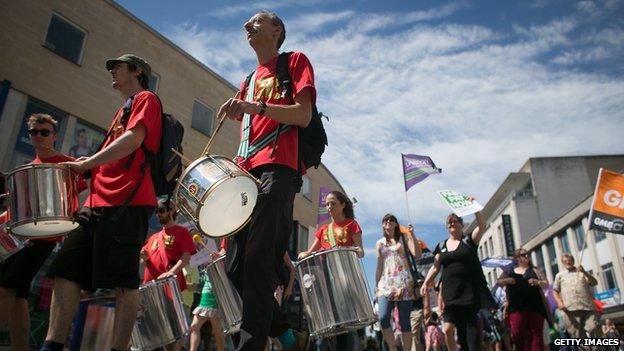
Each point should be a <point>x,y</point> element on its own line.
<point>543,208</point>
<point>52,61</point>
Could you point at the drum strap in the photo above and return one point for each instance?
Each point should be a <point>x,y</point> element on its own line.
<point>243,148</point>
<point>330,234</point>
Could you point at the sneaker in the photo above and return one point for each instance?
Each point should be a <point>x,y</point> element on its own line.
<point>302,342</point>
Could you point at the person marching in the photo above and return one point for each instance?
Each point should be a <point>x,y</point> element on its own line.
<point>395,283</point>
<point>104,253</point>
<point>253,254</point>
<point>463,287</point>
<point>19,270</point>
<point>167,252</point>
<point>343,230</point>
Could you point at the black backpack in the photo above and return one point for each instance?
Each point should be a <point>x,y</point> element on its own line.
<point>165,165</point>
<point>312,139</point>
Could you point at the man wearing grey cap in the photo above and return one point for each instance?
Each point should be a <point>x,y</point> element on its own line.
<point>104,252</point>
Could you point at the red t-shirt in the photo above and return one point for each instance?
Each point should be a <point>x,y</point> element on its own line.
<point>267,89</point>
<point>343,233</point>
<point>177,241</point>
<point>113,183</point>
<point>82,184</point>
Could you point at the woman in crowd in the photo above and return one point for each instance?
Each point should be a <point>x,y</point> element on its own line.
<point>207,310</point>
<point>525,302</point>
<point>395,283</point>
<point>463,287</point>
<point>343,230</point>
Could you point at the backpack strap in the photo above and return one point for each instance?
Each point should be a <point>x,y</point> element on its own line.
<point>283,77</point>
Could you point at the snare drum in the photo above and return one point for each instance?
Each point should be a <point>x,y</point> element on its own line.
<point>335,293</point>
<point>43,199</point>
<point>229,303</point>
<point>161,319</point>
<point>9,244</point>
<point>217,195</point>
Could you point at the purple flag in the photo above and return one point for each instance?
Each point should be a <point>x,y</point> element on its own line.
<point>416,168</point>
<point>322,215</point>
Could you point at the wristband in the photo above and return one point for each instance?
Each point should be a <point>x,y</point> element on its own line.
<point>263,107</point>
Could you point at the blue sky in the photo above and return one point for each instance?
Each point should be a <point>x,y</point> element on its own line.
<point>478,86</point>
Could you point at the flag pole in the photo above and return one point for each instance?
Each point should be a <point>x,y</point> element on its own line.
<point>409,217</point>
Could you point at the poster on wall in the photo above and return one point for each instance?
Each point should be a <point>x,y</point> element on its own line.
<point>85,141</point>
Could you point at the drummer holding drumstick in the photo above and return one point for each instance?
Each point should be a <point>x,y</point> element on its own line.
<point>104,253</point>
<point>19,270</point>
<point>167,252</point>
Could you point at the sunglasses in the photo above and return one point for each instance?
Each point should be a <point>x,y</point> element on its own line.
<point>523,255</point>
<point>388,220</point>
<point>453,222</point>
<point>42,132</point>
<point>162,210</point>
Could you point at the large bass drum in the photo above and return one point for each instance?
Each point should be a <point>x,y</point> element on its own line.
<point>161,319</point>
<point>335,293</point>
<point>43,199</point>
<point>228,300</point>
<point>217,195</point>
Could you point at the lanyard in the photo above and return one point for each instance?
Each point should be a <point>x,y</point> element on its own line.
<point>243,147</point>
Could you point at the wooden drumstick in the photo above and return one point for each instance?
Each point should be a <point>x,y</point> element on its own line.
<point>185,159</point>
<point>219,125</point>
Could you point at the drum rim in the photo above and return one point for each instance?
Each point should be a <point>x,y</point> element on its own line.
<point>329,331</point>
<point>159,281</point>
<point>192,166</point>
<point>20,223</point>
<point>203,198</point>
<point>323,252</point>
<point>39,165</point>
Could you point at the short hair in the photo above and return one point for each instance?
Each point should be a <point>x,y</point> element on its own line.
<point>568,255</point>
<point>41,118</point>
<point>454,216</point>
<point>277,22</point>
<point>143,78</point>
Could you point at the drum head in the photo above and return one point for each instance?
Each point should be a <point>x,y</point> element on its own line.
<point>44,229</point>
<point>228,206</point>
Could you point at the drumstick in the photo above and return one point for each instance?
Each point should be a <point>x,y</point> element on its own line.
<point>184,158</point>
<point>221,120</point>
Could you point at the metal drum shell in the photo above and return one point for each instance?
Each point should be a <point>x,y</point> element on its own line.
<point>43,199</point>
<point>335,293</point>
<point>197,184</point>
<point>161,319</point>
<point>229,303</point>
<point>9,243</point>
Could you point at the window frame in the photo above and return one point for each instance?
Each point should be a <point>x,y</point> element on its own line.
<point>212,124</point>
<point>46,44</point>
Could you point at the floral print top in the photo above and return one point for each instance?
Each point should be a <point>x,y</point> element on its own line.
<point>396,282</point>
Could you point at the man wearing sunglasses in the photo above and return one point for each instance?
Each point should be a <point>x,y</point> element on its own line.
<point>168,251</point>
<point>104,253</point>
<point>19,270</point>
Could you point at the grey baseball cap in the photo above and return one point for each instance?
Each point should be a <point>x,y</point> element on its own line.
<point>130,58</point>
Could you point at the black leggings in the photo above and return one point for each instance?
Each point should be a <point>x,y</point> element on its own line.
<point>465,320</point>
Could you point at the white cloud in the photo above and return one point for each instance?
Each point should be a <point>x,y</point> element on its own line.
<point>478,101</point>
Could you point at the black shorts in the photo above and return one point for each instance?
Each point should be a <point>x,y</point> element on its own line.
<point>19,270</point>
<point>104,251</point>
<point>459,315</point>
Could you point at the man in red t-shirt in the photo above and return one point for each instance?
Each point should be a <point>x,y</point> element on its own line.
<point>167,252</point>
<point>114,221</point>
<point>254,253</point>
<point>19,270</point>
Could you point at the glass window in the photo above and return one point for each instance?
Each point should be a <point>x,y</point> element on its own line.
<point>550,246</point>
<point>65,39</point>
<point>599,235</point>
<point>491,243</point>
<point>306,188</point>
<point>539,257</point>
<point>580,235</point>
<point>202,118</point>
<point>565,243</point>
<point>154,79</point>
<point>608,276</point>
<point>302,240</point>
